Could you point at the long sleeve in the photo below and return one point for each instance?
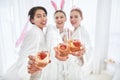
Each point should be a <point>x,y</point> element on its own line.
<point>87,42</point>
<point>83,36</point>
<point>33,42</point>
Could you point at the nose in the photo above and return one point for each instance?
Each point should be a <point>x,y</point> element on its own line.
<point>59,19</point>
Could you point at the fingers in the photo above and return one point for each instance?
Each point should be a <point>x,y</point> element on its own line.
<point>31,57</point>
<point>82,49</point>
<point>32,68</point>
<point>31,62</point>
<point>61,58</point>
<point>56,51</point>
<point>49,61</point>
<point>78,53</point>
<point>57,55</point>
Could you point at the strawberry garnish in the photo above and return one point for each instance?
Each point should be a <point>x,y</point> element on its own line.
<point>42,55</point>
<point>63,46</point>
<point>76,43</point>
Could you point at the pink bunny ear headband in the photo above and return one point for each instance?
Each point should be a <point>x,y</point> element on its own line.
<point>21,38</point>
<point>61,5</point>
<point>22,35</point>
<point>75,7</point>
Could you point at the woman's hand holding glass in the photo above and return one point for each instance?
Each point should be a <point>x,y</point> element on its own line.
<point>79,53</point>
<point>38,62</point>
<point>58,55</point>
<point>32,68</point>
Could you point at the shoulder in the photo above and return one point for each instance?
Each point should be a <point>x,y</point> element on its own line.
<point>50,28</point>
<point>83,29</point>
<point>85,33</point>
<point>34,32</point>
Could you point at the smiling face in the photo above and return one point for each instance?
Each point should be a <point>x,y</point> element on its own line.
<point>76,18</point>
<point>60,19</point>
<point>40,18</point>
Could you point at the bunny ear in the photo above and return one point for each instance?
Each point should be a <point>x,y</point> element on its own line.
<point>21,38</point>
<point>62,4</point>
<point>54,5</point>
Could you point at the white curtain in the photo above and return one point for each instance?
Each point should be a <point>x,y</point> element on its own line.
<point>107,34</point>
<point>114,44</point>
<point>102,33</point>
<point>101,19</point>
<point>10,28</point>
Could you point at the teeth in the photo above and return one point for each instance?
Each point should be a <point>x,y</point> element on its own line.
<point>59,22</point>
<point>43,23</point>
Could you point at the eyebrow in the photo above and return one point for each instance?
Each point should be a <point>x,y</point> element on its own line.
<point>41,14</point>
<point>38,14</point>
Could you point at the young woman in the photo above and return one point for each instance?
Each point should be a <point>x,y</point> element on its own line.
<point>34,42</point>
<point>81,34</point>
<point>68,67</point>
<point>54,36</point>
<point>64,68</point>
<point>73,63</point>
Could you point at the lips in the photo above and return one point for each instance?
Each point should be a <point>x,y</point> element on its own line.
<point>60,22</point>
<point>43,23</point>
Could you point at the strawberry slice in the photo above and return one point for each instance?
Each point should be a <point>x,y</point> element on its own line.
<point>63,46</point>
<point>42,55</point>
<point>76,43</point>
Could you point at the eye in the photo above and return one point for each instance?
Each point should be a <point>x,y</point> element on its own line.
<point>56,17</point>
<point>38,16</point>
<point>71,17</point>
<point>44,15</point>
